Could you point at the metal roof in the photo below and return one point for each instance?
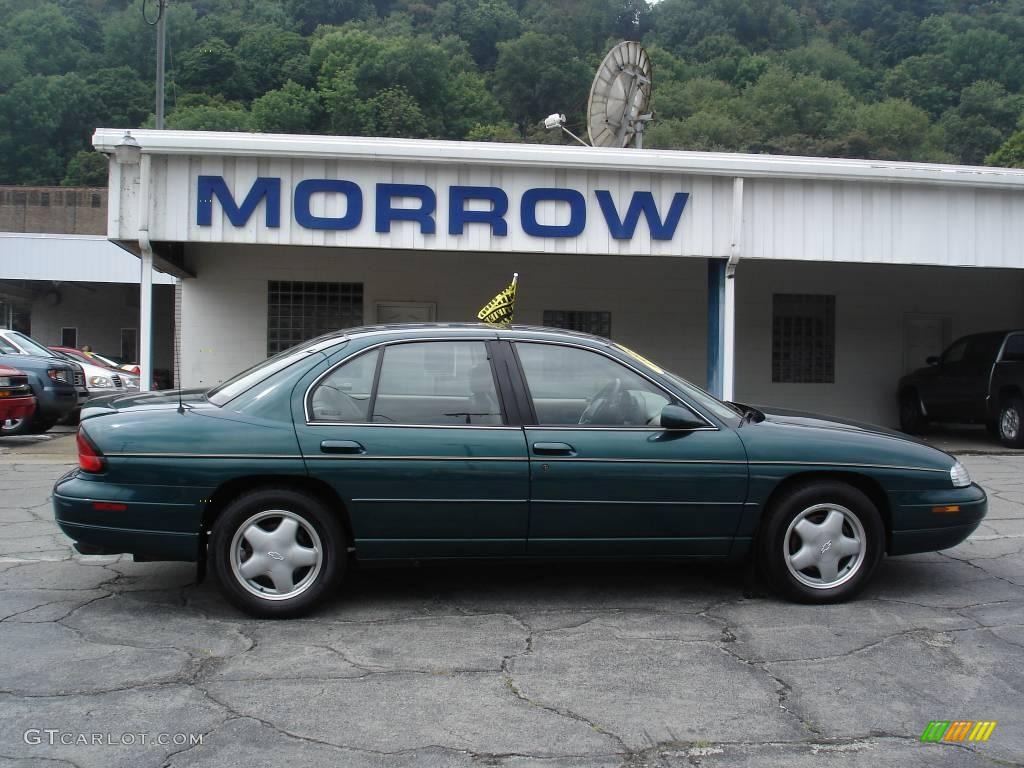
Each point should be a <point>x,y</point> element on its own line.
<point>539,155</point>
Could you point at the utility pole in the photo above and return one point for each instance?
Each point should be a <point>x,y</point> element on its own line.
<point>161,45</point>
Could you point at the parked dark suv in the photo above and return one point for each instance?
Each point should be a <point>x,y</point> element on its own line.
<point>53,383</point>
<point>979,379</point>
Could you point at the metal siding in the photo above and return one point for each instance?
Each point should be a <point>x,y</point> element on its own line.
<point>68,257</point>
<point>702,231</point>
<point>861,222</point>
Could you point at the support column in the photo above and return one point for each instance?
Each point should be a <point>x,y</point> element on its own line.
<point>716,325</point>
<point>146,322</point>
<point>722,307</point>
<point>146,282</point>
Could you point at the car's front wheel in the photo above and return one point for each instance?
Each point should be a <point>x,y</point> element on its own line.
<point>821,542</point>
<point>277,552</point>
<point>1011,423</point>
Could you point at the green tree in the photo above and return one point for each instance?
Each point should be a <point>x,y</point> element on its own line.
<point>224,117</point>
<point>888,130</point>
<point>86,169</point>
<point>481,23</point>
<point>500,132</point>
<point>1010,154</point>
<point>213,67</point>
<point>289,109</point>
<point>393,112</point>
<point>793,113</point>
<point>46,39</point>
<point>534,77</point>
<point>269,57</point>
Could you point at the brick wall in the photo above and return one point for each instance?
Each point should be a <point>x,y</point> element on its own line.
<point>54,210</point>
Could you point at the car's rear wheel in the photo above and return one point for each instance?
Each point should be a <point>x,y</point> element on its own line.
<point>821,543</point>
<point>912,419</point>
<point>1011,422</point>
<point>277,552</point>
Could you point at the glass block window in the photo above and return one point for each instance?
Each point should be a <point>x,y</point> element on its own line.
<point>597,323</point>
<point>298,311</point>
<point>803,338</point>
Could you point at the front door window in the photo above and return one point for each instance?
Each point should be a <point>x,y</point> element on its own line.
<point>571,386</point>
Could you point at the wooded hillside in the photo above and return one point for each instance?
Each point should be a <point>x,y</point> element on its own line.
<point>928,80</point>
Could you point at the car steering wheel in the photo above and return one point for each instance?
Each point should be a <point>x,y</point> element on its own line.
<point>338,403</point>
<point>607,395</point>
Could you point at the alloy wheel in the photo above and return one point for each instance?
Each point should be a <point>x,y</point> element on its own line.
<point>276,554</point>
<point>1009,423</point>
<point>824,546</point>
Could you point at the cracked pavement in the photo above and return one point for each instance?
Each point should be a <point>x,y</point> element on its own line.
<point>530,665</point>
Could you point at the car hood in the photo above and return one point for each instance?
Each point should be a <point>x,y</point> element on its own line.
<point>808,438</point>
<point>806,419</point>
<point>139,401</point>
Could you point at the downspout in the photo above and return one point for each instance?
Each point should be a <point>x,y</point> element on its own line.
<point>146,283</point>
<point>729,313</point>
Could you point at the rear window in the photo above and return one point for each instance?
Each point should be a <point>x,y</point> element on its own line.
<point>247,379</point>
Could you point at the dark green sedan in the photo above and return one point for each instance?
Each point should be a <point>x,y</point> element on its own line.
<point>417,442</point>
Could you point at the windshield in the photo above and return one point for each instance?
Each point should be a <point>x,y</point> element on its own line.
<point>696,394</point>
<point>7,348</point>
<point>249,378</point>
<point>31,346</point>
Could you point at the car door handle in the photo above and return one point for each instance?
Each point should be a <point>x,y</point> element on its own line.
<point>553,449</point>
<point>341,446</point>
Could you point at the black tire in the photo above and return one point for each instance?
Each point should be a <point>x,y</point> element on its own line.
<point>813,503</point>
<point>912,419</point>
<point>39,426</point>
<point>1011,422</point>
<point>25,426</point>
<point>258,595</point>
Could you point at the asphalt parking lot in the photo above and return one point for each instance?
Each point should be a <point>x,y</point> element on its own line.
<point>586,665</point>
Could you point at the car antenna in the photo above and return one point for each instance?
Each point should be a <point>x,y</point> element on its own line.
<point>181,405</point>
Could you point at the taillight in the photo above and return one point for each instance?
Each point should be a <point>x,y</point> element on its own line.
<point>89,457</point>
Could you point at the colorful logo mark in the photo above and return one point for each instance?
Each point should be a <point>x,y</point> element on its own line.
<point>958,730</point>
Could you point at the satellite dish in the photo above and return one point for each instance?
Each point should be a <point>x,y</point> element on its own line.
<point>619,97</point>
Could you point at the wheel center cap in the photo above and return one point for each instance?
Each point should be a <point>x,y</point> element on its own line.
<point>824,547</point>
<point>278,556</point>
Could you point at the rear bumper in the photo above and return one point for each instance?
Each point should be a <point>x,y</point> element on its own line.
<point>156,530</point>
<point>919,527</point>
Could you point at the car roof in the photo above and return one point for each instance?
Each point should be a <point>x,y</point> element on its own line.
<point>484,330</point>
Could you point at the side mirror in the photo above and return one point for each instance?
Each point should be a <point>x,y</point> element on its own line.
<point>932,360</point>
<point>677,417</point>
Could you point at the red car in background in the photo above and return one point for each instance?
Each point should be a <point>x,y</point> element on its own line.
<point>16,398</point>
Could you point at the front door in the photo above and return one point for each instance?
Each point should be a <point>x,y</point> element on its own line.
<point>413,437</point>
<point>606,478</point>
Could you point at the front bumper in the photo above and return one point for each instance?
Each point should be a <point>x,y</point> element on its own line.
<point>17,407</point>
<point>151,525</point>
<point>922,522</point>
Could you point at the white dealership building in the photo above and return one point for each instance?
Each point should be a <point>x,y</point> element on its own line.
<point>800,282</point>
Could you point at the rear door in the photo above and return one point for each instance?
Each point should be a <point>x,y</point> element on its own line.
<point>606,478</point>
<point>415,438</point>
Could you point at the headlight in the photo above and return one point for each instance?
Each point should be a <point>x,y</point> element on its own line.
<point>59,374</point>
<point>959,475</point>
<point>100,382</point>
<point>5,381</point>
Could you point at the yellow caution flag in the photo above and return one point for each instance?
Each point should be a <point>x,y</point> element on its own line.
<point>499,310</point>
